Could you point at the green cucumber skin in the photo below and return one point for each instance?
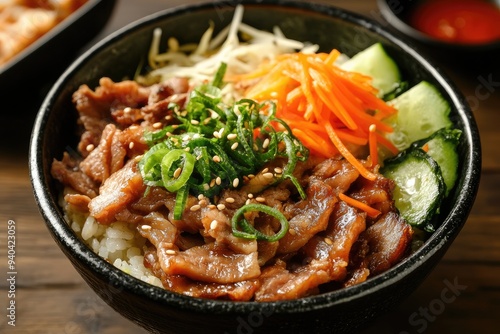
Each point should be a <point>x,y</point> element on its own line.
<point>376,63</point>
<point>443,148</point>
<point>414,165</point>
<point>422,110</point>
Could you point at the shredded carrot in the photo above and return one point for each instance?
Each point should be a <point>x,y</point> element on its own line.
<point>327,108</point>
<point>371,212</point>
<point>426,147</point>
<point>372,140</point>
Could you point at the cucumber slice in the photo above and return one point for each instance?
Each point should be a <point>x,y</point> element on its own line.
<point>374,62</point>
<point>421,112</point>
<point>442,147</point>
<point>419,186</point>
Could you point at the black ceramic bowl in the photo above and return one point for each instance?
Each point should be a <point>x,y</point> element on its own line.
<point>162,311</point>
<point>398,13</point>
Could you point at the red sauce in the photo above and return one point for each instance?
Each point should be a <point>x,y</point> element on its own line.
<point>458,21</point>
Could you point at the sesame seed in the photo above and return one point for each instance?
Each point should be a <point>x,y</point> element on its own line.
<point>265,170</point>
<point>187,149</point>
<point>90,147</point>
<point>175,126</point>
<point>250,195</point>
<point>216,134</point>
<point>230,200</point>
<point>138,158</point>
<point>211,206</point>
<point>131,145</point>
<point>127,110</point>
<point>186,138</point>
<point>200,197</point>
<point>146,227</point>
<point>329,241</point>
<point>218,180</point>
<point>221,206</point>
<point>157,125</point>
<point>221,131</point>
<point>177,172</point>
<point>212,183</point>
<point>265,144</point>
<point>234,146</point>
<point>195,207</point>
<point>247,201</point>
<point>168,117</point>
<point>213,224</point>
<point>268,175</point>
<point>170,252</point>
<point>206,120</point>
<point>260,199</point>
<point>206,186</point>
<point>292,231</point>
<point>232,136</point>
<point>236,182</point>
<point>278,170</point>
<point>184,113</point>
<point>196,136</point>
<point>195,122</point>
<point>213,114</point>
<point>133,127</point>
<point>216,158</point>
<point>202,202</point>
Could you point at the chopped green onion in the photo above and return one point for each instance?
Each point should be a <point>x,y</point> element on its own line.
<point>249,232</point>
<point>219,76</point>
<point>173,160</point>
<point>211,139</point>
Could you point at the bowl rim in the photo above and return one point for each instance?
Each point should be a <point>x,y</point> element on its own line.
<point>438,242</point>
<point>394,19</point>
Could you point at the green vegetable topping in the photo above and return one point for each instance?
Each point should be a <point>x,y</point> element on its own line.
<point>249,232</point>
<point>212,145</point>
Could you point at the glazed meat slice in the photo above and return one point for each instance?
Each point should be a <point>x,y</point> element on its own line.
<point>157,229</point>
<point>325,258</point>
<point>278,283</point>
<point>95,107</point>
<point>107,158</point>
<point>240,291</point>
<point>118,191</point>
<point>67,172</point>
<point>338,174</point>
<point>388,241</point>
<point>208,263</point>
<point>309,217</point>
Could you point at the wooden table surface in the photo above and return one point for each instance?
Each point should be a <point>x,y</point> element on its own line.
<point>52,298</point>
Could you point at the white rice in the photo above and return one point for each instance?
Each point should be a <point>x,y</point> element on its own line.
<point>118,243</point>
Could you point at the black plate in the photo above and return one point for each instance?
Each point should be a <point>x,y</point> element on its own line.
<point>47,57</point>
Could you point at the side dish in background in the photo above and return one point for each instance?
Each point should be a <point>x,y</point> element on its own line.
<point>22,22</point>
<point>458,21</point>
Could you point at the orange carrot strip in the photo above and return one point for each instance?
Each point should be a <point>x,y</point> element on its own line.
<point>322,89</point>
<point>347,154</point>
<point>332,57</point>
<point>371,212</point>
<point>372,142</point>
<point>315,143</point>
